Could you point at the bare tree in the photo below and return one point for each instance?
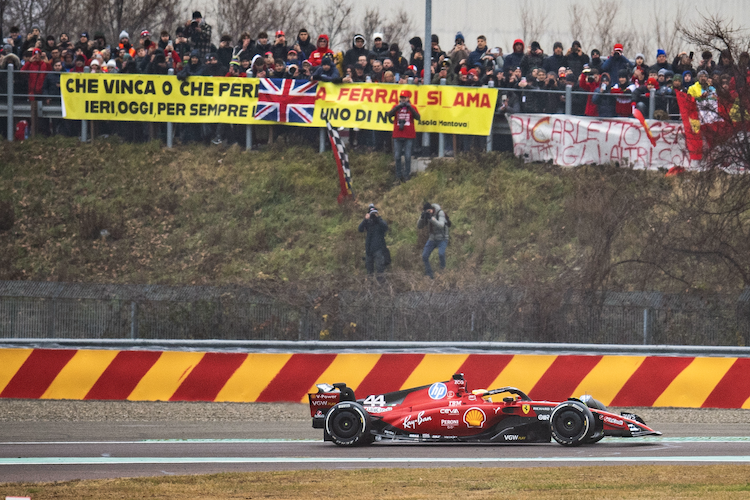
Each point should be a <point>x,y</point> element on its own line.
<point>577,19</point>
<point>334,18</point>
<point>533,21</point>
<point>236,16</point>
<point>716,34</point>
<point>395,29</point>
<point>666,29</point>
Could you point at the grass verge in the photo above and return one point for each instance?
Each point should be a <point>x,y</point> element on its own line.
<point>645,481</point>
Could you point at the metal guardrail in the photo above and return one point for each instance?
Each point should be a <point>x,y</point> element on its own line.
<point>381,347</point>
<point>74,311</point>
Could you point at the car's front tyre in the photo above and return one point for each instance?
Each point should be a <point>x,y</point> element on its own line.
<point>348,424</point>
<point>572,423</point>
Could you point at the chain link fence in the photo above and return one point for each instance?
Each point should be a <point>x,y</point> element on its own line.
<point>81,311</point>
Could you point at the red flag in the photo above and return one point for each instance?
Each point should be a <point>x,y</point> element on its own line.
<point>692,125</point>
<point>637,113</point>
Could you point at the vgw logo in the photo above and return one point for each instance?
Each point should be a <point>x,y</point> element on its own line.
<point>438,390</point>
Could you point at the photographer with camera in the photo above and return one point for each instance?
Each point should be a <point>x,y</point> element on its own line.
<point>404,133</point>
<point>438,223</point>
<point>377,255</point>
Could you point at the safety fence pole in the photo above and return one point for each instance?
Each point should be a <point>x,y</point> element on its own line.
<point>170,125</point>
<point>10,102</point>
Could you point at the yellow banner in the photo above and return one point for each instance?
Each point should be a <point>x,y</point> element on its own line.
<point>446,109</point>
<point>158,98</point>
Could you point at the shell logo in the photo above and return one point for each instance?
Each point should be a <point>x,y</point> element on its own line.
<point>474,417</point>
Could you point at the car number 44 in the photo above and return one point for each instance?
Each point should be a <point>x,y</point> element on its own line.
<point>373,400</point>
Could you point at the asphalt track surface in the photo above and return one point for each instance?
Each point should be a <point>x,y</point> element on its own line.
<point>54,451</point>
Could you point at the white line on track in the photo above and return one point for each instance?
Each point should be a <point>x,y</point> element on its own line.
<point>351,460</point>
<point>654,440</point>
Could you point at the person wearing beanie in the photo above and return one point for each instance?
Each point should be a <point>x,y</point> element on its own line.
<point>661,62</point>
<point>576,58</point>
<point>377,255</point>
<point>198,33</point>
<point>379,46</point>
<point>534,58</point>
<point>459,52</point>
<point>616,62</point>
<point>557,59</point>
<point>434,218</point>
<point>125,43</point>
<point>327,70</point>
<point>436,52</point>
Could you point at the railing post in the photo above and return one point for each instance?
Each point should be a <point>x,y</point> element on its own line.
<point>441,136</point>
<point>170,125</point>
<point>568,99</point>
<point>133,320</point>
<point>11,131</point>
<point>84,123</point>
<point>651,105</point>
<point>248,137</point>
<point>322,141</point>
<point>491,84</point>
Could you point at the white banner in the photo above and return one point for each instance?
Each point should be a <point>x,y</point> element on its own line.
<point>579,140</point>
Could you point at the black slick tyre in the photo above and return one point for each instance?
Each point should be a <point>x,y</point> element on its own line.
<point>572,423</point>
<point>348,424</point>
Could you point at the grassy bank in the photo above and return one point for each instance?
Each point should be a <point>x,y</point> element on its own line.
<point>206,215</point>
<point>720,481</point>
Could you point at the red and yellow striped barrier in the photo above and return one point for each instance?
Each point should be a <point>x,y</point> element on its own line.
<point>720,382</point>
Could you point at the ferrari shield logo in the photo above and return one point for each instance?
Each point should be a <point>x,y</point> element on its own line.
<point>525,409</point>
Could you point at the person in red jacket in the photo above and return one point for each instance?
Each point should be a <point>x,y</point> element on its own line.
<point>37,63</point>
<point>318,54</point>
<point>588,82</point>
<point>404,133</point>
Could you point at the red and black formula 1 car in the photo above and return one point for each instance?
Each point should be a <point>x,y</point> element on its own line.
<point>447,411</point>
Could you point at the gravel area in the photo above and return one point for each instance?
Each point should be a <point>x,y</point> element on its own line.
<point>18,410</point>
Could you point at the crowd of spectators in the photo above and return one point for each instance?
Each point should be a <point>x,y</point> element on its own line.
<point>616,83</point>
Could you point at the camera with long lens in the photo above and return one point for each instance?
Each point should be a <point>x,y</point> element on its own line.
<point>401,124</point>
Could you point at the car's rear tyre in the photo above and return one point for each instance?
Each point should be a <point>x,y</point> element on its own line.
<point>348,424</point>
<point>572,423</point>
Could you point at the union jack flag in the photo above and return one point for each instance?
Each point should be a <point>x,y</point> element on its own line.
<point>286,101</point>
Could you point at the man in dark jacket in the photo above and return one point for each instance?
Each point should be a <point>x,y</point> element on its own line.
<point>513,60</point>
<point>533,59</point>
<point>616,62</point>
<point>475,57</point>
<point>303,46</point>
<point>576,58</point>
<point>279,47</point>
<point>358,49</point>
<point>327,72</point>
<point>556,60</point>
<point>379,46</point>
<point>376,251</point>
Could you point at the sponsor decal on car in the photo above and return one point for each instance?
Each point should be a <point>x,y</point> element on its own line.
<point>454,403</point>
<point>474,417</point>
<point>525,409</point>
<point>514,437</point>
<point>378,409</point>
<point>614,421</point>
<point>449,411</point>
<point>438,390</point>
<point>412,424</point>
<point>542,416</point>
<point>451,394</point>
<point>450,424</point>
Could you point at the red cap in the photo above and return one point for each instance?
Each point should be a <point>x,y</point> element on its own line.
<point>652,81</point>
<point>474,71</point>
<point>464,71</point>
<point>280,33</point>
<point>405,93</point>
<point>269,52</point>
<point>145,33</point>
<point>618,47</point>
<point>36,51</point>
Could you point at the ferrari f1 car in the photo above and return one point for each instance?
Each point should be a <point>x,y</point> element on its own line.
<point>447,411</point>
